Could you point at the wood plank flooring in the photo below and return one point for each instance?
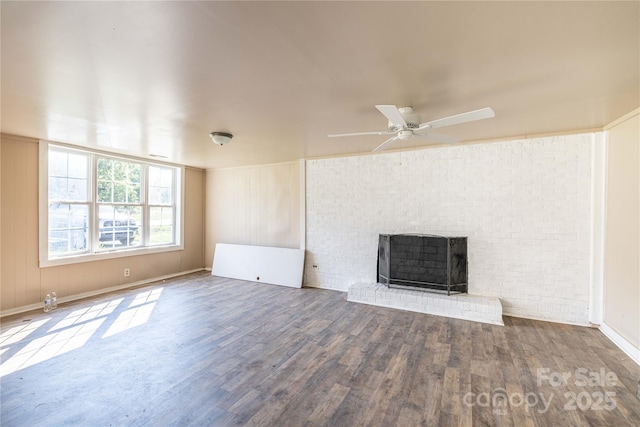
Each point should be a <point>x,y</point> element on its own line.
<point>207,351</point>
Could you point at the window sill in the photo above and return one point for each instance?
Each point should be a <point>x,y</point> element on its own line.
<point>76,259</point>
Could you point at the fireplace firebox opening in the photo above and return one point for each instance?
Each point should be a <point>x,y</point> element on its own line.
<point>423,262</point>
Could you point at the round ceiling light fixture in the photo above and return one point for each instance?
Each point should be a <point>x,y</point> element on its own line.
<point>220,138</point>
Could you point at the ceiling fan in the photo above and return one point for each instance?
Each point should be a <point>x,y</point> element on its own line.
<point>405,124</point>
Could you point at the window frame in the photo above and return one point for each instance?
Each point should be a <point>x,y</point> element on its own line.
<point>68,201</point>
<point>91,254</point>
<point>149,206</point>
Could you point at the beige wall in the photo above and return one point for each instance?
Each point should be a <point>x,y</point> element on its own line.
<point>257,205</point>
<point>22,281</point>
<point>622,242</point>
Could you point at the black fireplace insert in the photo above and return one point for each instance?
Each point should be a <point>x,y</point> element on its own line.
<point>423,262</point>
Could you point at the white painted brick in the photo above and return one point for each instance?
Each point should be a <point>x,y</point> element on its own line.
<point>393,298</point>
<point>524,205</point>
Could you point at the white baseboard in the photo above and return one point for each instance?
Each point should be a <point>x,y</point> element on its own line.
<point>632,351</point>
<point>39,305</point>
<point>542,319</point>
<point>321,286</point>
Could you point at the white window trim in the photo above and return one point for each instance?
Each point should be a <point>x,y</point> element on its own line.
<point>43,216</point>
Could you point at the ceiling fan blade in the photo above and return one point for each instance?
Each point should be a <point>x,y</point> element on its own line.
<point>384,144</point>
<point>334,135</point>
<point>438,137</point>
<point>392,113</point>
<point>483,113</point>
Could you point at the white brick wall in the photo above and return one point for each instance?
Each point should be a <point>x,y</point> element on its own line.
<point>524,206</point>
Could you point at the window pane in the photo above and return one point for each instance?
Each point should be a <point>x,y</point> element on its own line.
<point>78,166</point>
<point>119,181</point>
<point>119,226</point>
<point>160,185</point>
<point>68,177</point>
<point>135,174</point>
<point>119,192</point>
<point>67,228</point>
<point>105,191</point>
<point>105,169</point>
<point>161,225</point>
<point>57,163</point>
<point>159,195</point>
<point>77,190</point>
<point>133,193</point>
<point>57,188</point>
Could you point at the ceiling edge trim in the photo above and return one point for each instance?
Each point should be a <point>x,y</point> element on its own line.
<point>624,118</point>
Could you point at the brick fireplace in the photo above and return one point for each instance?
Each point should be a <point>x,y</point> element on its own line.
<point>410,264</point>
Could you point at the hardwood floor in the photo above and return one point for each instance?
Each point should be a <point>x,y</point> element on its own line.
<point>201,350</point>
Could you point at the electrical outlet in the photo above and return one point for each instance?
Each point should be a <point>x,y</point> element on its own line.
<point>127,272</point>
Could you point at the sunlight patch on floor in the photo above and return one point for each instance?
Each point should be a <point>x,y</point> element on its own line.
<point>48,346</point>
<point>73,331</point>
<point>145,297</point>
<point>20,332</point>
<point>130,319</point>
<point>87,314</point>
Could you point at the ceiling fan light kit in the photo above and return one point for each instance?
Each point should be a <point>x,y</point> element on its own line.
<point>220,138</point>
<point>405,125</point>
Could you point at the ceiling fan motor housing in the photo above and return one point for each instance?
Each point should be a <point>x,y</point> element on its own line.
<point>412,120</point>
<point>403,135</point>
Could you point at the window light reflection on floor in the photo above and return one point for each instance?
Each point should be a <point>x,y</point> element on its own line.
<point>145,297</point>
<point>86,314</point>
<point>130,319</point>
<point>73,331</point>
<point>20,332</point>
<point>50,345</point>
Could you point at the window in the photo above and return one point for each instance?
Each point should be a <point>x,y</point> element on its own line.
<point>69,202</point>
<point>119,202</point>
<point>161,206</point>
<point>101,206</point>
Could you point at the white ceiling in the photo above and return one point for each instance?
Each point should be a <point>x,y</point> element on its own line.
<point>156,77</point>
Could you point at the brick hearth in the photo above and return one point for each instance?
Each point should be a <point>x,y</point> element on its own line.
<point>462,306</point>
